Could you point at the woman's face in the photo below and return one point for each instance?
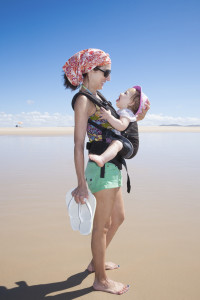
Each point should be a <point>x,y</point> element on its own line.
<point>97,78</point>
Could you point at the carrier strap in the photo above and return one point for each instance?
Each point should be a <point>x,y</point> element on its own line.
<point>128,178</point>
<point>102,102</point>
<point>102,174</point>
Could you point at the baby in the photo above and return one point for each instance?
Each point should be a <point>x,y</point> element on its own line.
<point>130,103</point>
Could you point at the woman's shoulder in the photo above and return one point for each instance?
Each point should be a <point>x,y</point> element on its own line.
<point>82,103</point>
<point>81,99</point>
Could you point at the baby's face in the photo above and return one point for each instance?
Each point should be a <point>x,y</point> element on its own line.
<point>125,99</point>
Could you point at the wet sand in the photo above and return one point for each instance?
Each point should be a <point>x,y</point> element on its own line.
<point>157,247</point>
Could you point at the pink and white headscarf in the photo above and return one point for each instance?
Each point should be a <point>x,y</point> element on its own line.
<point>83,62</point>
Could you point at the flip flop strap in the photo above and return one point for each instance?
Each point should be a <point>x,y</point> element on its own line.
<point>89,208</point>
<point>69,203</point>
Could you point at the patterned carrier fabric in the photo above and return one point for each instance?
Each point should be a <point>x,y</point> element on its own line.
<point>94,134</point>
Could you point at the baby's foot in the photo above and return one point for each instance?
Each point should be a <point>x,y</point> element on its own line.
<point>97,159</point>
<point>111,286</point>
<point>108,266</point>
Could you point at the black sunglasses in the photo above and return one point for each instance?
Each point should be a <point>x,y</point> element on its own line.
<point>106,72</point>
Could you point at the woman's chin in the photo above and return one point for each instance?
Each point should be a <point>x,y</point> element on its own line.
<point>101,86</point>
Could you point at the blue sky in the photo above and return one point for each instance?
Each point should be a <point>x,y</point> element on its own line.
<point>154,44</point>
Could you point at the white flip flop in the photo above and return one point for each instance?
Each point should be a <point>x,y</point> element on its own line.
<point>81,215</point>
<point>72,208</point>
<point>86,215</point>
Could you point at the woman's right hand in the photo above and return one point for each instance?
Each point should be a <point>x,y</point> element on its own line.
<point>142,115</point>
<point>80,193</point>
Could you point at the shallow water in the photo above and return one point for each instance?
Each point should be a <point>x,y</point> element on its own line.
<point>163,155</point>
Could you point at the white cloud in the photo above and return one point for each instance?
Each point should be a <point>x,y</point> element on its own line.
<point>30,102</point>
<point>153,120</point>
<point>36,119</point>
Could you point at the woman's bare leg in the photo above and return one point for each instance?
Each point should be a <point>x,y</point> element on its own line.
<point>105,203</point>
<point>114,147</point>
<point>117,218</point>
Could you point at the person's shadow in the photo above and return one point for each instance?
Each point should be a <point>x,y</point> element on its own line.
<point>41,291</point>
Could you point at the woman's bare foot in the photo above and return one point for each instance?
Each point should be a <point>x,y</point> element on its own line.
<point>97,159</point>
<point>108,266</point>
<point>110,286</point>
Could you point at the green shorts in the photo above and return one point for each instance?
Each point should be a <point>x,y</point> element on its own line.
<point>112,178</point>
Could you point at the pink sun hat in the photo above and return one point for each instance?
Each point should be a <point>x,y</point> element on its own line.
<point>143,99</point>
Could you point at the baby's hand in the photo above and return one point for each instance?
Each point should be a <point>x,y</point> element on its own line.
<point>104,114</point>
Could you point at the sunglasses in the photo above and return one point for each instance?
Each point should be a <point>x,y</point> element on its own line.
<point>106,72</point>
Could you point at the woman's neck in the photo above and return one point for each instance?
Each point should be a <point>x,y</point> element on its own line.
<point>88,89</point>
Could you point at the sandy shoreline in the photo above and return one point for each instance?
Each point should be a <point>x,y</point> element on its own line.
<point>157,247</point>
<point>56,131</point>
<point>41,131</point>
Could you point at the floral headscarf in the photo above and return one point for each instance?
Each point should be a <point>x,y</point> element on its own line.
<point>83,62</point>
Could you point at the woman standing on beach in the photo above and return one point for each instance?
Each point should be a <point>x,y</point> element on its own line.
<point>91,68</point>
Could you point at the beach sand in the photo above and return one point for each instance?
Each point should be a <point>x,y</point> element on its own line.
<point>157,246</point>
<point>37,131</point>
<point>57,131</point>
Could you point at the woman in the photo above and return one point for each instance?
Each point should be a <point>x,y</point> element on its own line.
<point>92,68</point>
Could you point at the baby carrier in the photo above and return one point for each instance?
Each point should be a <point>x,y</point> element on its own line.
<point>129,136</point>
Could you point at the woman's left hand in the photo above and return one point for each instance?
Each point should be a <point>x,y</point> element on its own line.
<point>142,115</point>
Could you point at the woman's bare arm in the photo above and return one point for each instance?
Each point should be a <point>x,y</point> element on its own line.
<point>81,110</point>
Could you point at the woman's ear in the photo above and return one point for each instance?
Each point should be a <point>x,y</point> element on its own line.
<point>90,73</point>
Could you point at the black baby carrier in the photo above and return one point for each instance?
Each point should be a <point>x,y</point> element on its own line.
<point>129,137</point>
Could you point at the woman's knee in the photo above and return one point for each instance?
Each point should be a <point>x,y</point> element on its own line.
<point>101,229</point>
<point>121,218</point>
<point>118,220</point>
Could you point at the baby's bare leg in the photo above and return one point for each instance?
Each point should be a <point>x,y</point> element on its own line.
<point>114,147</point>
